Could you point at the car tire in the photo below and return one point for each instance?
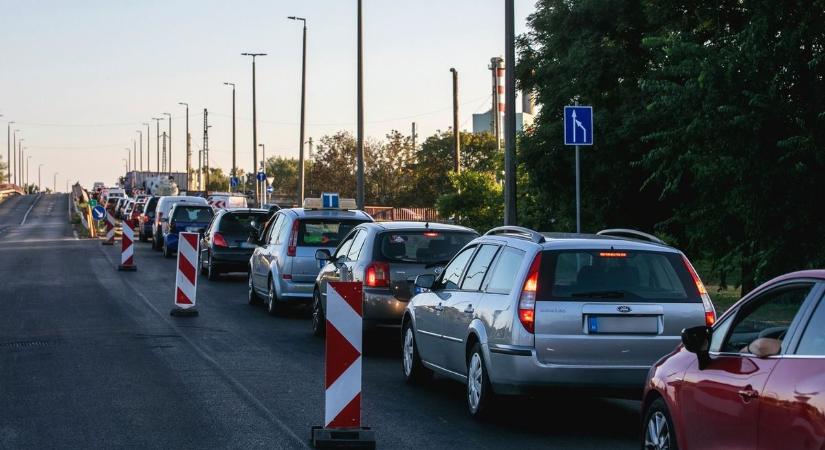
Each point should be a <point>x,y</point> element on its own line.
<point>166,252</point>
<point>658,431</point>
<point>253,297</point>
<point>480,394</point>
<point>273,306</point>
<point>212,272</point>
<point>411,365</point>
<point>319,322</point>
<point>155,243</point>
<point>201,266</point>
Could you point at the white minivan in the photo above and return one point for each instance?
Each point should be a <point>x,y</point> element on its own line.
<point>165,205</point>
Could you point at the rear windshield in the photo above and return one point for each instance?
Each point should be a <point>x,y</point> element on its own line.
<point>615,274</point>
<point>240,223</point>
<point>424,247</point>
<point>150,205</point>
<point>192,214</point>
<point>324,232</point>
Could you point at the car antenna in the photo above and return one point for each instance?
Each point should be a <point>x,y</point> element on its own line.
<point>427,225</point>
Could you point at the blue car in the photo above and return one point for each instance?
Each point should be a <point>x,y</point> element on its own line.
<point>184,217</point>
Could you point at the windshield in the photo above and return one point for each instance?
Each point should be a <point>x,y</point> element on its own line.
<point>324,232</point>
<point>240,223</point>
<point>192,214</point>
<point>425,247</point>
<point>615,274</point>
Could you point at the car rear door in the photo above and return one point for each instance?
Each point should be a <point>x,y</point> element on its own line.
<point>720,403</point>
<point>792,412</point>
<point>309,235</point>
<point>623,309</point>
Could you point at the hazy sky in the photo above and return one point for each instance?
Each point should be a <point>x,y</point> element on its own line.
<point>80,77</point>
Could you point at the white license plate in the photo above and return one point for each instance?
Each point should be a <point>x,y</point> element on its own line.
<point>623,324</point>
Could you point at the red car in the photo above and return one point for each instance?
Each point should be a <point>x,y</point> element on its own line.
<point>755,380</point>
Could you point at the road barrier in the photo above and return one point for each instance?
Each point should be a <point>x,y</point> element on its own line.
<point>186,281</point>
<point>110,230</point>
<point>127,248</point>
<point>342,405</point>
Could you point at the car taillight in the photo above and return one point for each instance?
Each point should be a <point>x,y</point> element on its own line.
<point>219,240</point>
<point>527,301</point>
<point>710,312</point>
<point>293,239</point>
<point>377,275</point>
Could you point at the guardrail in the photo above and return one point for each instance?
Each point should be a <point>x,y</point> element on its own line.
<point>10,189</point>
<point>390,214</point>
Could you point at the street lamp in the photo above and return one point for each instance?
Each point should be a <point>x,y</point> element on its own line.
<point>140,138</point>
<point>19,167</point>
<point>262,186</point>
<point>359,150</point>
<point>254,115</point>
<point>27,172</point>
<point>13,161</point>
<point>39,181</point>
<point>54,183</point>
<point>168,159</point>
<point>234,172</point>
<point>8,150</point>
<point>303,112</point>
<point>148,147</point>
<point>157,144</point>
<point>188,147</point>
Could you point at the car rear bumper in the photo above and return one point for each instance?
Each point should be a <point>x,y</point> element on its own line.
<point>295,291</point>
<point>381,308</point>
<point>228,259</point>
<point>516,370</point>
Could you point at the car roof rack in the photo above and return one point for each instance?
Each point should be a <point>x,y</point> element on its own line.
<point>517,232</point>
<point>632,234</point>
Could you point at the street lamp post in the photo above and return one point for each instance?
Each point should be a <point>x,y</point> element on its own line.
<point>510,210</point>
<point>254,115</point>
<point>8,150</point>
<point>359,153</point>
<point>234,172</point>
<point>169,155</point>
<point>128,158</point>
<point>140,138</point>
<point>303,112</point>
<point>262,186</point>
<point>54,183</point>
<point>27,172</point>
<point>39,180</point>
<point>157,144</point>
<point>19,167</point>
<point>188,148</point>
<point>13,161</point>
<point>148,146</point>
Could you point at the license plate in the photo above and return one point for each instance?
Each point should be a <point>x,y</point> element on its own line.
<point>623,324</point>
<point>192,229</point>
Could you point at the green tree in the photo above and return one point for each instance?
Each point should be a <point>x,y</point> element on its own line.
<point>3,174</point>
<point>389,171</point>
<point>284,172</point>
<point>333,167</point>
<point>218,181</point>
<point>475,200</point>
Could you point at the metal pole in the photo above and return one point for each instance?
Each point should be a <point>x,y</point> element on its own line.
<point>188,148</point>
<point>234,171</point>
<point>148,147</point>
<point>359,155</point>
<point>510,211</point>
<point>263,169</point>
<point>27,173</point>
<point>19,168</point>
<point>167,157</point>
<point>578,194</point>
<point>140,138</point>
<point>413,135</point>
<point>14,140</point>
<point>254,118</point>
<point>39,179</point>
<point>456,132</point>
<point>157,144</point>
<point>8,150</point>
<point>54,183</point>
<point>303,113</point>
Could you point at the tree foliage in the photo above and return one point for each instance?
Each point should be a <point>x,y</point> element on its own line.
<point>476,200</point>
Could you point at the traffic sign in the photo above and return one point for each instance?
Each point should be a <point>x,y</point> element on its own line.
<point>98,212</point>
<point>261,176</point>
<point>578,125</point>
<point>234,181</point>
<point>330,200</point>
<point>92,203</point>
<point>269,189</point>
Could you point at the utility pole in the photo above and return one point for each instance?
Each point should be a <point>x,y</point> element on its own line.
<point>206,149</point>
<point>148,147</point>
<point>163,166</point>
<point>510,211</point>
<point>359,154</point>
<point>303,113</point>
<point>263,169</point>
<point>8,150</point>
<point>140,139</point>
<point>39,180</point>
<point>254,116</point>
<point>168,157</point>
<point>234,172</point>
<point>13,161</point>
<point>157,145</point>
<point>19,165</point>
<point>134,156</point>
<point>456,131</point>
<point>188,149</point>
<point>27,173</point>
<point>54,183</point>
<point>413,134</point>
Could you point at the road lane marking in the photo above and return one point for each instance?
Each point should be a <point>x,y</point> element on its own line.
<point>23,222</point>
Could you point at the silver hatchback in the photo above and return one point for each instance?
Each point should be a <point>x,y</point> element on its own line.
<point>516,310</point>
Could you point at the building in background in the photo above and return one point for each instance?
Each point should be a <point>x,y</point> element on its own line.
<point>485,122</point>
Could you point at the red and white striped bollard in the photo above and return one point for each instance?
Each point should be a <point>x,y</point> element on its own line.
<point>127,247</point>
<point>186,281</point>
<point>110,230</point>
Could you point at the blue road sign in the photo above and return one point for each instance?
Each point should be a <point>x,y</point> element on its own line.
<point>578,125</point>
<point>98,212</point>
<point>234,181</point>
<point>269,189</point>
<point>261,176</point>
<point>329,200</point>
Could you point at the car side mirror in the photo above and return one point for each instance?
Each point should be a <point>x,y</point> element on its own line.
<point>697,340</point>
<point>764,347</point>
<point>322,254</point>
<point>425,281</point>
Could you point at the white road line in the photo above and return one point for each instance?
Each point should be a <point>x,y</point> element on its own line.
<point>23,222</point>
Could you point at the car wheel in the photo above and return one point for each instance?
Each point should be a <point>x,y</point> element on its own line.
<point>273,306</point>
<point>658,432</point>
<point>414,370</point>
<point>319,322</point>
<point>155,242</point>
<point>212,272</point>
<point>479,391</point>
<point>253,297</point>
<point>201,265</point>
<point>166,252</point>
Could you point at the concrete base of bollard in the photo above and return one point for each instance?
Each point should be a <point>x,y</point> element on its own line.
<point>184,312</point>
<point>127,268</point>
<point>362,437</point>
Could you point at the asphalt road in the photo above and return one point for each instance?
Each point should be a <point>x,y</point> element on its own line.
<point>90,358</point>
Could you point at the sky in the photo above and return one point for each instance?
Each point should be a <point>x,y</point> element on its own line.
<point>80,78</point>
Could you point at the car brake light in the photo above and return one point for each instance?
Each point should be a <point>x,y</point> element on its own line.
<point>219,240</point>
<point>527,301</point>
<point>293,239</point>
<point>430,234</point>
<point>710,312</point>
<point>613,254</point>
<point>377,275</point>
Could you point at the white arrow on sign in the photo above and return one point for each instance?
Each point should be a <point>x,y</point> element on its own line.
<point>577,123</point>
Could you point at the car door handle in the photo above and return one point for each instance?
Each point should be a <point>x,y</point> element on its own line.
<point>748,394</point>
<point>469,309</point>
<point>439,307</point>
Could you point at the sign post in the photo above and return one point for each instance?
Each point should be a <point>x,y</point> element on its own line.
<point>578,130</point>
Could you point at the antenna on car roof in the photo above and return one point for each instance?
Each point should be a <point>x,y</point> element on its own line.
<point>427,224</point>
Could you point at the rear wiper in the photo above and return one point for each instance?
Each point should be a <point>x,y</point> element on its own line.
<point>599,294</point>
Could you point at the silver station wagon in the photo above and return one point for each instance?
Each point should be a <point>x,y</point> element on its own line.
<point>517,310</point>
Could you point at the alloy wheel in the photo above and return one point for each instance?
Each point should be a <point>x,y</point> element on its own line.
<point>408,351</point>
<point>657,433</point>
<point>474,382</point>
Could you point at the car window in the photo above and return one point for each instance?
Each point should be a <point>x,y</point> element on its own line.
<point>272,233</point>
<point>192,214</point>
<point>812,342</point>
<point>767,316</point>
<point>430,247</point>
<point>239,223</point>
<point>478,268</point>
<point>343,250</point>
<point>504,272</point>
<point>281,235</point>
<point>452,273</point>
<point>357,245</point>
<point>324,232</point>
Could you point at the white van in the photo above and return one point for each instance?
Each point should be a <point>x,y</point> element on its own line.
<point>165,205</point>
<point>226,200</point>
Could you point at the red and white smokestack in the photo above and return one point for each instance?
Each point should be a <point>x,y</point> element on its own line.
<point>497,111</point>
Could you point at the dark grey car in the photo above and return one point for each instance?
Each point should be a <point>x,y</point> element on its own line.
<point>225,245</point>
<point>386,257</point>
